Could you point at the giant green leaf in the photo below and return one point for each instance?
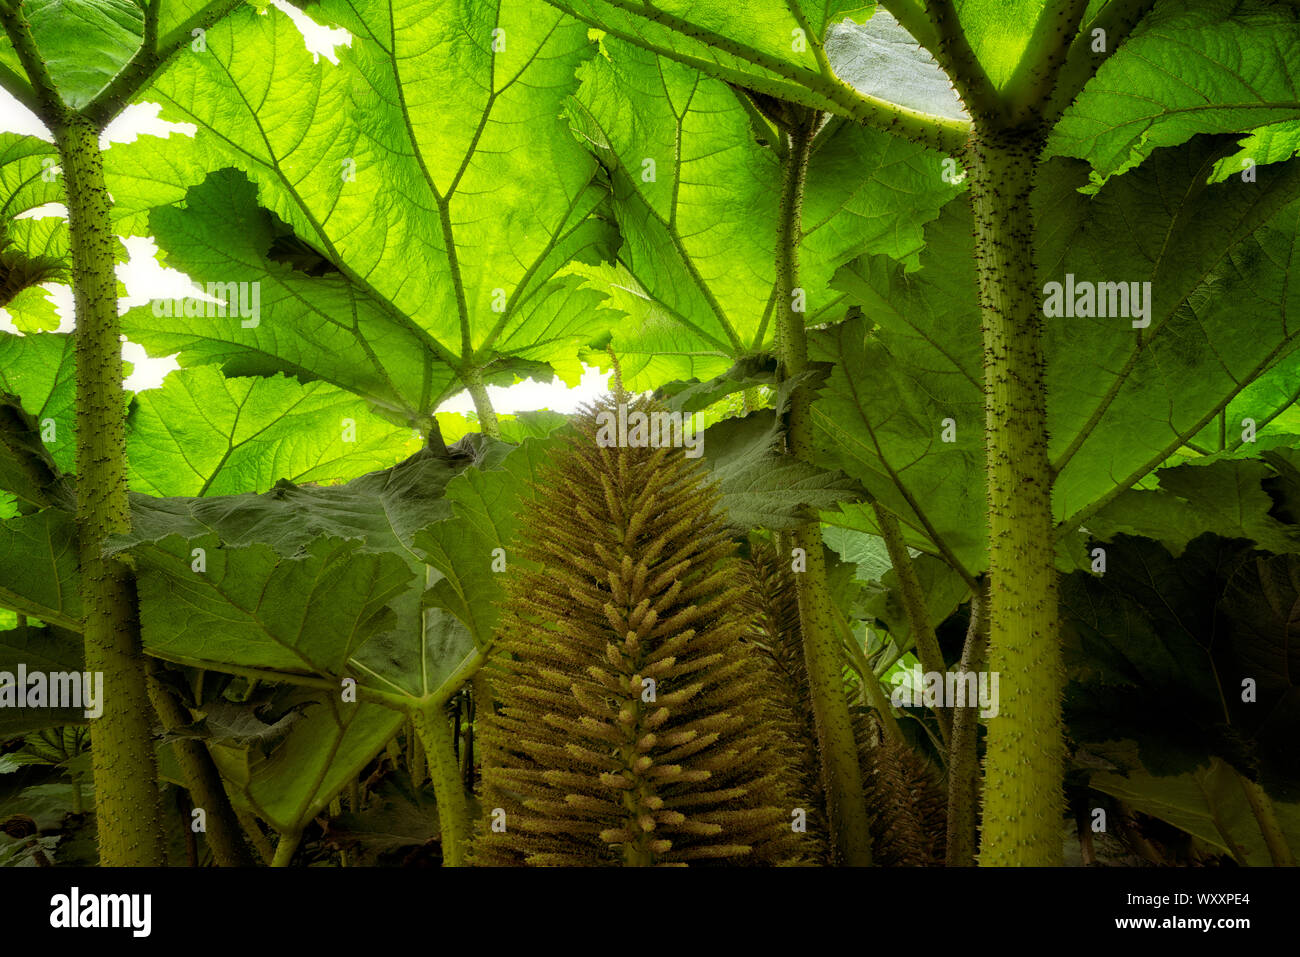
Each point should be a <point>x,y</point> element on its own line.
<point>1219,260</point>
<point>46,650</point>
<point>38,369</point>
<point>262,538</point>
<point>486,508</point>
<point>38,567</point>
<point>428,178</point>
<point>249,606</point>
<point>33,250</point>
<point>696,196</point>
<point>205,434</point>
<point>324,750</point>
<point>1207,802</point>
<point>308,585</point>
<point>297,579</point>
<point>1229,497</point>
<point>1120,399</point>
<point>1189,656</point>
<point>793,51</point>
<point>388,578</point>
<point>84,44</point>
<point>1192,66</point>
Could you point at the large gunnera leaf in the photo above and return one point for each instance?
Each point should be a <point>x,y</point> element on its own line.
<point>800,51</point>
<point>389,579</point>
<point>695,169</point>
<point>203,433</point>
<point>409,209</point>
<point>322,752</point>
<point>1207,273</point>
<point>33,241</point>
<point>1185,676</point>
<point>84,44</point>
<point>1192,66</point>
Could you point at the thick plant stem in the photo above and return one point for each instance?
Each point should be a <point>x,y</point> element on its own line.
<point>409,757</point>
<point>285,848</point>
<point>871,689</point>
<point>417,765</point>
<point>223,834</point>
<point>963,757</point>
<point>1262,807</point>
<point>127,805</point>
<point>472,376</point>
<point>1023,796</point>
<point>876,698</point>
<point>453,812</point>
<point>954,54</point>
<point>918,617</point>
<point>841,773</point>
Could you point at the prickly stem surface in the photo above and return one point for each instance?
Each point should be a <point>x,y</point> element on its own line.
<point>1023,799</point>
<point>127,804</point>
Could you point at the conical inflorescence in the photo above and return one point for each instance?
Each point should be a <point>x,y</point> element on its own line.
<point>771,605</point>
<point>908,808</point>
<point>633,725</point>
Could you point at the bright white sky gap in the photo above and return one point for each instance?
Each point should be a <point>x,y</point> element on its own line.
<point>146,279</point>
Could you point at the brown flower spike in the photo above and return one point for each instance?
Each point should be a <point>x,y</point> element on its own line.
<point>908,808</point>
<point>633,725</point>
<point>771,606</point>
